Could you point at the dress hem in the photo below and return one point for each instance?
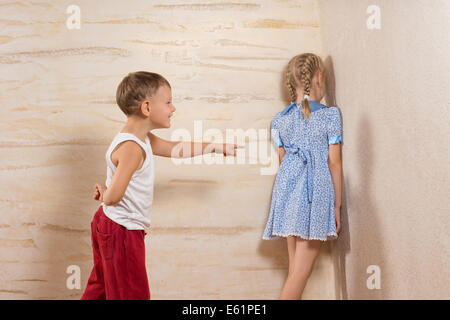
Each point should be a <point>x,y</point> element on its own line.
<point>274,235</point>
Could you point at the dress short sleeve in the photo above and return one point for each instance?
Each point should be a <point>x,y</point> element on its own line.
<point>275,131</point>
<point>334,126</point>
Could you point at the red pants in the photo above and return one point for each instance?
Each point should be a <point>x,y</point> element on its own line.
<point>119,262</point>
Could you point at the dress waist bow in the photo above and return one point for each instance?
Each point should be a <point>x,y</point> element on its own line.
<point>306,157</point>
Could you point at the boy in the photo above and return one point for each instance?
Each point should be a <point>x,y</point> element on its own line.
<point>118,227</point>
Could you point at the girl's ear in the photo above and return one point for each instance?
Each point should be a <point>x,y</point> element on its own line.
<point>320,78</point>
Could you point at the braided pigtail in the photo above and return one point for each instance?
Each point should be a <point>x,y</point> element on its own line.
<point>290,83</point>
<point>299,75</point>
<point>305,80</point>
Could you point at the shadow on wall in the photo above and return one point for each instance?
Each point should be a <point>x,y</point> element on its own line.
<point>359,201</point>
<point>341,246</point>
<point>62,243</point>
<point>276,252</point>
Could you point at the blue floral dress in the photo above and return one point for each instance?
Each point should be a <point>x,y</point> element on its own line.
<point>303,194</point>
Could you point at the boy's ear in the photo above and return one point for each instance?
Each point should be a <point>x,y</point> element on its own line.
<point>145,108</point>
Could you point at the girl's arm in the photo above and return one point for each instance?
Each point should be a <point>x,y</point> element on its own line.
<point>281,153</point>
<point>335,165</point>
<point>186,149</point>
<point>129,155</point>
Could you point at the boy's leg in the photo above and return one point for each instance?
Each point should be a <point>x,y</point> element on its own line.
<point>124,262</point>
<point>95,288</point>
<point>136,286</point>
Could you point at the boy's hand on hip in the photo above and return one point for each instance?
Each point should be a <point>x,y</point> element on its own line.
<point>99,190</point>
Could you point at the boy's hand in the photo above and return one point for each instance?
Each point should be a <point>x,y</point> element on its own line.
<point>227,149</point>
<point>99,190</point>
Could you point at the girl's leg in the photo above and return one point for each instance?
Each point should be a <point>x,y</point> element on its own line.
<point>306,252</point>
<point>291,252</point>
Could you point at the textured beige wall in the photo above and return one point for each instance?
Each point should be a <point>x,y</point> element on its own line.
<point>392,87</point>
<point>224,61</point>
<point>58,116</point>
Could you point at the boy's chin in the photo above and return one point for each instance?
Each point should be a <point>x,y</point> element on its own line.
<point>163,125</point>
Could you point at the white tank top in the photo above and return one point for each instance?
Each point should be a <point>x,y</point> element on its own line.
<point>133,210</point>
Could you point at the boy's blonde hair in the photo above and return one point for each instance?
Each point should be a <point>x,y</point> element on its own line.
<point>136,87</point>
<point>299,74</point>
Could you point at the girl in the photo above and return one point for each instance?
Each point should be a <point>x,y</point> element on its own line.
<point>306,197</point>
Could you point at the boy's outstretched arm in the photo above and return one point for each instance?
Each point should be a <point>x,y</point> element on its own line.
<point>186,149</point>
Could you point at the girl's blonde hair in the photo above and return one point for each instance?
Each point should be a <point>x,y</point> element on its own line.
<point>299,74</point>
